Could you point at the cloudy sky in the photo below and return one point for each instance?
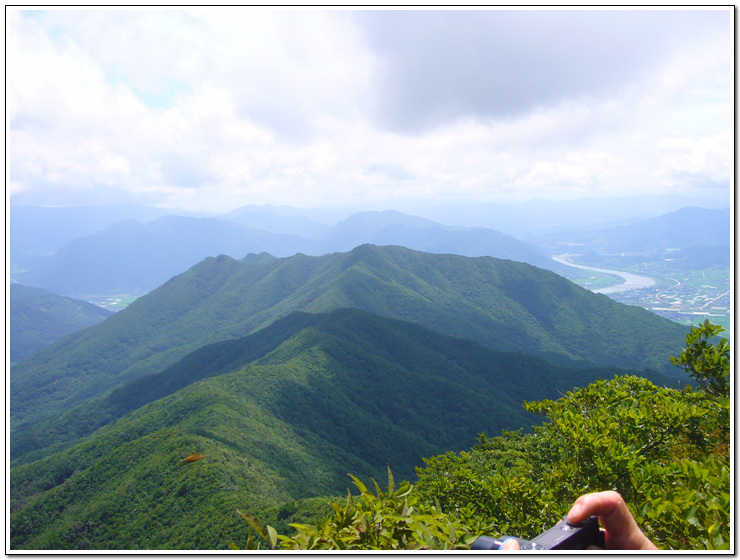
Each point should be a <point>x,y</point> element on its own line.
<point>211,109</point>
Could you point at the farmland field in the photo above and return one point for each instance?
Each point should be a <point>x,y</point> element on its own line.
<point>680,294</point>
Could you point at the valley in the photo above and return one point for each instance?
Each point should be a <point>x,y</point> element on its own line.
<point>684,295</point>
<point>687,299</point>
<point>629,281</point>
<point>113,302</point>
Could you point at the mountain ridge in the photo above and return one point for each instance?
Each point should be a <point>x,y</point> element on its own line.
<point>130,257</point>
<point>505,305</point>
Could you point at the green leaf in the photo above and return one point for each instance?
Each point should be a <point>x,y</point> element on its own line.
<point>360,486</point>
<point>272,533</point>
<point>256,524</point>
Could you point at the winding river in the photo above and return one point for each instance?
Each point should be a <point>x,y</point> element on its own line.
<point>631,281</point>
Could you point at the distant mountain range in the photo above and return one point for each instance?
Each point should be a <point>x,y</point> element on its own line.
<point>394,228</point>
<point>534,218</point>
<point>681,230</point>
<point>37,232</point>
<point>266,220</point>
<point>39,317</point>
<point>89,252</point>
<point>506,305</point>
<point>133,258</point>
<point>278,415</point>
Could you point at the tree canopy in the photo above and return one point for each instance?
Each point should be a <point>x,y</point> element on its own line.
<point>707,363</point>
<point>666,451</point>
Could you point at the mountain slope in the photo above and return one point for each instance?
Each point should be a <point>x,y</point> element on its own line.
<point>505,305</point>
<point>39,317</point>
<point>390,343</point>
<point>330,394</point>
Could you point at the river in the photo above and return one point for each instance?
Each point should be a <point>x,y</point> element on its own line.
<point>631,281</point>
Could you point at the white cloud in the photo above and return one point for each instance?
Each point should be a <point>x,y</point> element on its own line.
<point>215,108</point>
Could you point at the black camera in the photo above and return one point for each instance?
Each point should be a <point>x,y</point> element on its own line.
<point>563,536</point>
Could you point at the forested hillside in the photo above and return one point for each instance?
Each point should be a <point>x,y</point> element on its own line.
<point>368,343</point>
<point>505,305</point>
<point>39,317</point>
<point>279,415</point>
<point>665,451</point>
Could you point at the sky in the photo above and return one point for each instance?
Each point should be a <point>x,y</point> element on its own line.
<point>210,109</point>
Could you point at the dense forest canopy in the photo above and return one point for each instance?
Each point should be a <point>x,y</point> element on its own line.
<point>173,473</point>
<point>666,451</point>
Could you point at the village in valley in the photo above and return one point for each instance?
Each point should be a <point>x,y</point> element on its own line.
<point>680,294</point>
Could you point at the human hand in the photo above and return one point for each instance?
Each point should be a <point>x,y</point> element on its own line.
<point>622,532</point>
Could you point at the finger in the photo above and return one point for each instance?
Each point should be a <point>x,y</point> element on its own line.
<point>621,528</point>
<point>510,544</point>
<point>609,506</point>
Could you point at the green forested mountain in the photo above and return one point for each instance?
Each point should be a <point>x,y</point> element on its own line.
<point>282,414</point>
<point>39,317</point>
<point>505,305</point>
<point>392,344</point>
